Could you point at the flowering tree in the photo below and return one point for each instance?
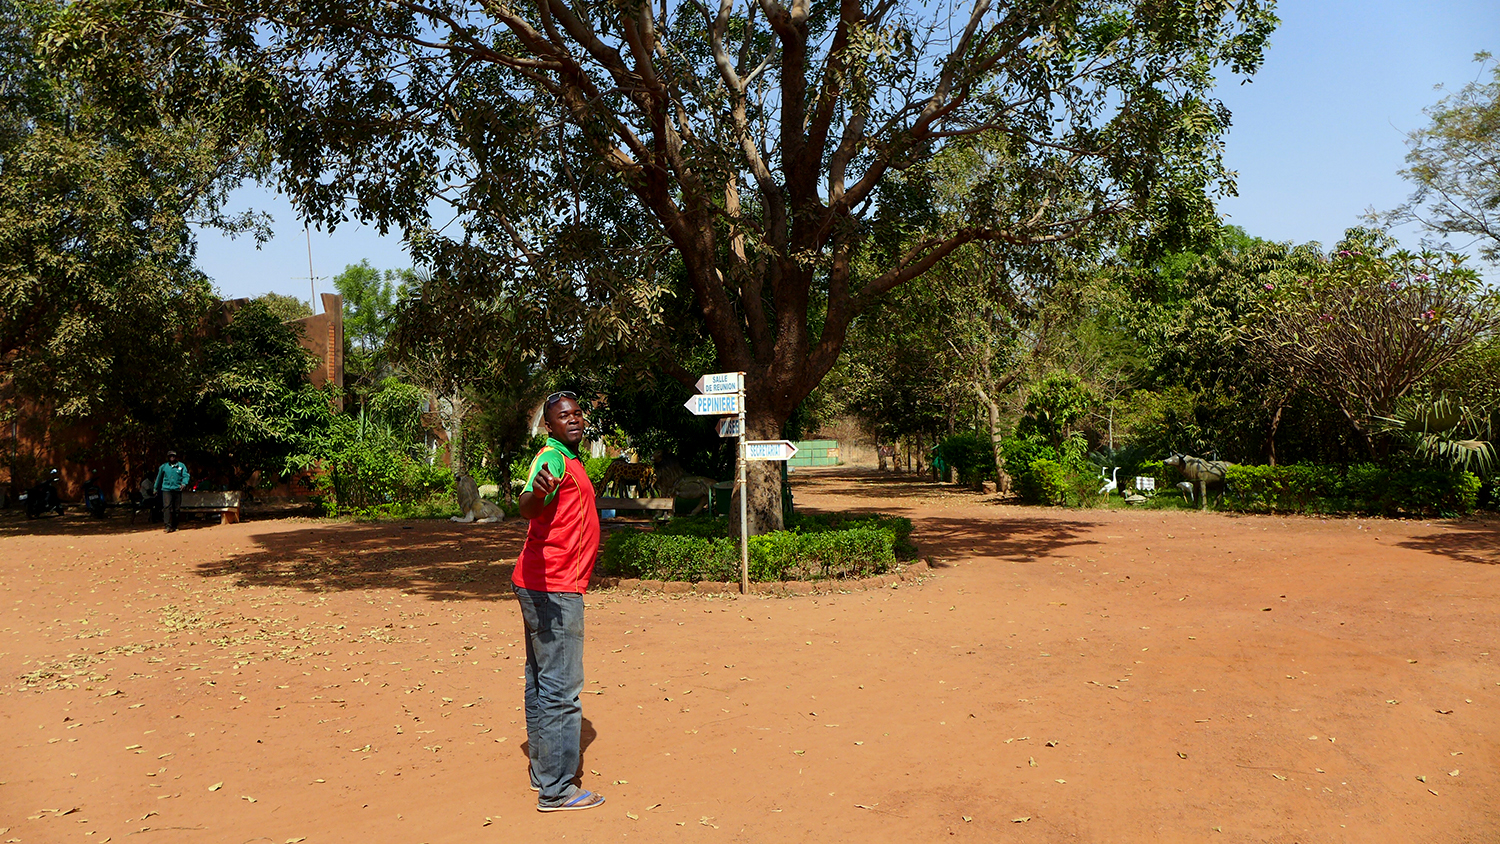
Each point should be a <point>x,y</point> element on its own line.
<point>1370,323</point>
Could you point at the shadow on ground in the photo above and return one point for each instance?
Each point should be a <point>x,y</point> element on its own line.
<point>1008,538</point>
<point>76,522</point>
<point>1469,542</point>
<point>435,559</point>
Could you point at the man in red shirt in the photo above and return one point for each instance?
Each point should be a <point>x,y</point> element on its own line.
<point>562,542</point>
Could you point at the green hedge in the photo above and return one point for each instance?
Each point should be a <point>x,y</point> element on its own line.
<point>699,548</point>
<point>1363,488</point>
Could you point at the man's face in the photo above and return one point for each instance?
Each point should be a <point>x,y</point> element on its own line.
<point>565,422</point>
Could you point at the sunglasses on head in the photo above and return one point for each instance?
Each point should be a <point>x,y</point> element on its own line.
<point>559,396</point>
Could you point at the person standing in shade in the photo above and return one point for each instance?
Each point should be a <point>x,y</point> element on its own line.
<point>562,542</point>
<point>171,479</point>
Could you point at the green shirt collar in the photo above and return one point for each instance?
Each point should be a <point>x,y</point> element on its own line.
<point>560,446</point>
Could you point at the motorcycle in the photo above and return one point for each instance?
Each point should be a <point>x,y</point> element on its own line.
<point>93,498</point>
<point>43,497</point>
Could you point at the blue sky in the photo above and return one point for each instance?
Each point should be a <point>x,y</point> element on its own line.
<point>1318,138</point>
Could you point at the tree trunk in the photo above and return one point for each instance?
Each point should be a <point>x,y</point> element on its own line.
<point>1271,440</point>
<point>764,476</point>
<point>992,413</point>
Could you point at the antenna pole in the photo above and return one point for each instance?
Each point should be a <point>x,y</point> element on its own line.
<point>312,284</point>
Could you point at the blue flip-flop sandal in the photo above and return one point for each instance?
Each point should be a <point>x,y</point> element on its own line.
<point>583,799</point>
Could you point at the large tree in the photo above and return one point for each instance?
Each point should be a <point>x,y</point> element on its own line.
<point>756,157</point>
<point>104,173</point>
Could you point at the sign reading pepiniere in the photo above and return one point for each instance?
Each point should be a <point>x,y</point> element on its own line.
<point>722,404</point>
<point>769,449</point>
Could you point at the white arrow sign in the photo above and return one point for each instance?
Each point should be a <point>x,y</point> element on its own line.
<point>730,427</point>
<point>719,382</point>
<point>724,404</point>
<point>769,450</point>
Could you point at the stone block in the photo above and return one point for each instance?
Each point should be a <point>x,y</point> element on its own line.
<point>652,585</point>
<point>629,584</point>
<point>677,587</point>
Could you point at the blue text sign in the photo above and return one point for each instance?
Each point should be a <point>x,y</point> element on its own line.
<point>725,404</point>
<point>719,382</point>
<point>769,450</point>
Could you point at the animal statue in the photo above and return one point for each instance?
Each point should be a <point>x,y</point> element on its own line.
<point>639,478</point>
<point>674,481</point>
<point>472,506</point>
<point>1199,471</point>
<point>1111,483</point>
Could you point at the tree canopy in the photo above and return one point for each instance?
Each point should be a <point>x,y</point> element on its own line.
<point>1455,163</point>
<point>103,173</point>
<point>758,159</point>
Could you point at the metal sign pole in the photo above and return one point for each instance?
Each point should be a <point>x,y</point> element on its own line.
<point>744,499</point>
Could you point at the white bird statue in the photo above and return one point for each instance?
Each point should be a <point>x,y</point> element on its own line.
<point>1110,483</point>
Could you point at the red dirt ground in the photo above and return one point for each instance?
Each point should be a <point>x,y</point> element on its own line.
<point>1097,676</point>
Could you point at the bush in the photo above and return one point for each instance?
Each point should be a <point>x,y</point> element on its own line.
<point>658,556</point>
<point>1363,488</point>
<point>596,467</point>
<point>1018,454</point>
<point>1299,488</point>
<point>971,456</point>
<point>698,548</point>
<point>719,527</point>
<point>1044,482</point>
<point>437,507</point>
<point>1418,490</point>
<point>366,466</point>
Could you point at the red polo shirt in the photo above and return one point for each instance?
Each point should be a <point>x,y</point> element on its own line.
<point>562,542</point>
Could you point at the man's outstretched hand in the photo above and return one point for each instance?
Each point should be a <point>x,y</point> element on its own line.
<point>544,483</point>
<point>542,486</point>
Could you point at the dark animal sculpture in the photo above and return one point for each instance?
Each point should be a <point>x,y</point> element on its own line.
<point>674,482</point>
<point>1200,472</point>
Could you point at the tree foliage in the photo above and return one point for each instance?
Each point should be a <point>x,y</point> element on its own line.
<point>1455,163</point>
<point>105,171</point>
<point>600,160</point>
<point>1370,323</point>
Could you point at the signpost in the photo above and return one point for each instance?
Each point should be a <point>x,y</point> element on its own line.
<point>723,394</point>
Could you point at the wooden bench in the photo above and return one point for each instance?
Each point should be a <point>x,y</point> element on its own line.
<point>649,505</point>
<point>226,504</point>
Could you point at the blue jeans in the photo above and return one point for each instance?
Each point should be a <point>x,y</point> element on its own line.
<point>554,681</point>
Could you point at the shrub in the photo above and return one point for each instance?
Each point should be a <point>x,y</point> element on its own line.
<point>437,507</point>
<point>596,467</point>
<point>1362,488</point>
<point>658,556</point>
<point>1299,488</point>
<point>971,456</point>
<point>1044,482</point>
<point>365,466</point>
<point>696,553</point>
